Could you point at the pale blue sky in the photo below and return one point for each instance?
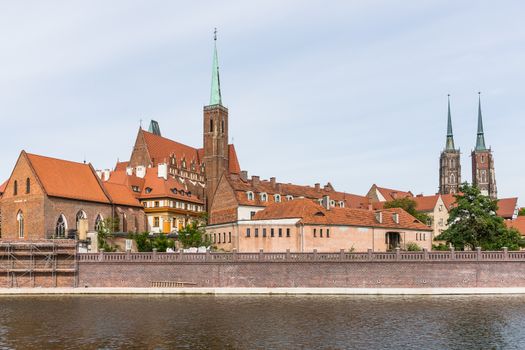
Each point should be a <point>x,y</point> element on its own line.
<point>348,92</point>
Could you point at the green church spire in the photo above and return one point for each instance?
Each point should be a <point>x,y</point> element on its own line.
<point>215,96</point>
<point>480,141</point>
<point>450,136</point>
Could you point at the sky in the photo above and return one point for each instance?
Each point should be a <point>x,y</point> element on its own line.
<point>347,92</point>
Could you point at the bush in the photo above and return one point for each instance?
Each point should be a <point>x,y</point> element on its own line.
<point>143,242</point>
<point>413,247</point>
<point>440,247</point>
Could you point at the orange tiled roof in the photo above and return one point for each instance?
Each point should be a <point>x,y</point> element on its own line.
<point>233,162</point>
<point>449,200</point>
<point>391,194</point>
<point>62,178</point>
<point>121,166</point>
<point>507,207</point>
<point>272,188</point>
<point>121,194</point>
<point>161,148</point>
<point>312,213</point>
<point>518,224</point>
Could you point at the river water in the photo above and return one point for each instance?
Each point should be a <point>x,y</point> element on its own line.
<point>262,322</point>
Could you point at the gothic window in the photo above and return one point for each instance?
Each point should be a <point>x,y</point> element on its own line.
<point>277,198</point>
<point>28,185</point>
<point>483,176</point>
<point>482,159</point>
<point>211,125</point>
<point>20,222</point>
<point>452,179</point>
<point>222,126</point>
<point>80,216</point>
<point>15,188</point>
<point>60,227</point>
<point>99,223</point>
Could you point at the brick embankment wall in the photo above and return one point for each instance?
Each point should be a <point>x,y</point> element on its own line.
<point>305,274</point>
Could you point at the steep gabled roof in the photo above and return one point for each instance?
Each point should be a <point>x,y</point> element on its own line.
<point>121,166</point>
<point>161,148</point>
<point>242,186</point>
<point>233,162</point>
<point>391,194</point>
<point>66,179</point>
<point>312,213</point>
<point>507,207</point>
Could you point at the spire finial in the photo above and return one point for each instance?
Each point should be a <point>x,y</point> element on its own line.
<point>449,146</point>
<point>215,96</point>
<point>480,140</point>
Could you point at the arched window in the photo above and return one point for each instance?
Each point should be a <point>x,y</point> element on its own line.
<point>124,223</point>
<point>99,222</point>
<point>289,198</point>
<point>249,194</point>
<point>222,126</point>
<point>15,188</point>
<point>28,185</point>
<point>277,198</point>
<point>452,179</point>
<point>264,197</point>
<point>61,227</point>
<point>341,204</point>
<point>80,216</point>
<point>20,221</point>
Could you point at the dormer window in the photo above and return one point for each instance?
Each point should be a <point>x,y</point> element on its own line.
<point>135,188</point>
<point>332,203</point>
<point>341,204</point>
<point>249,194</point>
<point>148,190</point>
<point>395,217</point>
<point>264,197</point>
<point>174,190</point>
<point>277,198</point>
<point>379,217</point>
<point>289,198</point>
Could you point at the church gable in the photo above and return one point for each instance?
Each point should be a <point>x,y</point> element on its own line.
<point>140,155</point>
<point>224,207</point>
<point>23,180</point>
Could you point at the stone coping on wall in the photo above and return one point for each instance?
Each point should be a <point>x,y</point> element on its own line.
<point>261,291</point>
<point>342,256</point>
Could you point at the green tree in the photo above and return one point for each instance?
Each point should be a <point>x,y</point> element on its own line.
<point>473,223</point>
<point>408,205</point>
<point>413,247</point>
<point>521,212</point>
<point>193,235</point>
<point>143,242</point>
<point>161,242</point>
<point>104,232</point>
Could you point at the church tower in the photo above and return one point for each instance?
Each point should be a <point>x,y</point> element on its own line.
<point>483,173</point>
<point>449,162</point>
<point>215,132</point>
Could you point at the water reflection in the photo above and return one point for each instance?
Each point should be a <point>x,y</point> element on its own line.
<point>273,322</point>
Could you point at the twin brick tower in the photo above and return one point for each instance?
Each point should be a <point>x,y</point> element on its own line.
<point>483,175</point>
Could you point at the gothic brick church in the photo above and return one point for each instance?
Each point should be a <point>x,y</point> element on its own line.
<point>483,173</point>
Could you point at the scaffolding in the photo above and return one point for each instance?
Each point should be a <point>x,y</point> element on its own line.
<point>23,262</point>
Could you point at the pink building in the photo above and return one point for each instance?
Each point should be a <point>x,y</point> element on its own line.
<point>302,225</point>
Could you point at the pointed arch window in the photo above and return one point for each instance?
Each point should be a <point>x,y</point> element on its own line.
<point>28,186</point>
<point>20,222</point>
<point>222,126</point>
<point>452,179</point>
<point>81,215</point>
<point>61,227</point>
<point>99,223</point>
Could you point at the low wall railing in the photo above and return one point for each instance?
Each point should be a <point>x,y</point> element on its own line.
<point>261,256</point>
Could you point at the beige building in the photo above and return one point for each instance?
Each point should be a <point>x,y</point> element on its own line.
<point>303,225</point>
<point>437,207</point>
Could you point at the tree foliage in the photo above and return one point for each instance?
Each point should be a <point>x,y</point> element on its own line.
<point>104,232</point>
<point>521,212</point>
<point>473,223</point>
<point>146,242</point>
<point>193,235</point>
<point>408,205</point>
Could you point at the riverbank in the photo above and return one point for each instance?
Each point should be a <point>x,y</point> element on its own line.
<point>263,291</point>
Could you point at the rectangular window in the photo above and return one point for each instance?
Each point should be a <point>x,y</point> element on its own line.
<point>280,232</point>
<point>256,232</point>
<point>264,232</point>
<point>424,236</point>
<point>287,232</point>
<point>272,233</point>
<point>156,204</point>
<point>327,233</point>
<point>229,237</point>
<point>224,237</point>
<point>247,232</point>
<point>156,221</point>
<point>252,214</point>
<point>315,232</point>
<point>321,232</point>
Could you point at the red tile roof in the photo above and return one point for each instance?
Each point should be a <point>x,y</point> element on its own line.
<point>312,213</point>
<point>272,188</point>
<point>426,203</point>
<point>121,166</point>
<point>507,207</point>
<point>121,194</point>
<point>233,162</point>
<point>160,149</point>
<point>65,179</point>
<point>518,224</point>
<point>391,194</point>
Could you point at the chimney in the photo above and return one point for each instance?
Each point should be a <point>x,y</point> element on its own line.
<point>325,202</point>
<point>244,175</point>
<point>255,180</point>
<point>105,174</point>
<point>140,171</point>
<point>162,171</point>
<point>370,206</point>
<point>99,174</point>
<point>129,170</point>
<point>272,182</point>
<point>318,187</point>
<point>394,195</point>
